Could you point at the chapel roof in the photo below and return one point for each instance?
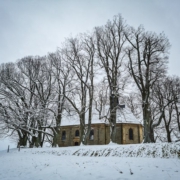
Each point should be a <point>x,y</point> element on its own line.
<point>124,115</point>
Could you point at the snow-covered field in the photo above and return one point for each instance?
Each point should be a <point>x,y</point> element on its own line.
<point>111,162</point>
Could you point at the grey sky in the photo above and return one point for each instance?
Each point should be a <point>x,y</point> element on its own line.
<point>36,27</point>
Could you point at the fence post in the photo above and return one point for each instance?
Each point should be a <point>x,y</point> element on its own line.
<point>8,149</point>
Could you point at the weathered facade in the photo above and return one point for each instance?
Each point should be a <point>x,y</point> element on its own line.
<point>126,133</point>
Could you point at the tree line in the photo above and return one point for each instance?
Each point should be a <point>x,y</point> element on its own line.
<point>92,70</point>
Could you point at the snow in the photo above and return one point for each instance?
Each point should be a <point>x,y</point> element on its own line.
<point>124,115</point>
<point>79,162</point>
<point>5,142</point>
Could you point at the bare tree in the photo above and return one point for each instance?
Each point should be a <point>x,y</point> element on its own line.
<point>31,68</point>
<point>62,74</point>
<point>147,54</point>
<point>133,102</point>
<point>165,96</point>
<point>22,106</point>
<point>101,99</point>
<point>80,54</point>
<point>14,104</point>
<point>110,52</point>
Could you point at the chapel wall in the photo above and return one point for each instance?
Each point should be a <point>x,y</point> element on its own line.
<point>102,134</point>
<point>137,134</point>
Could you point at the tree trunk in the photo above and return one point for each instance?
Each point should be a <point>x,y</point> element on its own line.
<point>56,138</point>
<point>81,133</point>
<point>34,142</point>
<point>22,138</point>
<point>147,124</point>
<point>113,106</point>
<point>168,134</point>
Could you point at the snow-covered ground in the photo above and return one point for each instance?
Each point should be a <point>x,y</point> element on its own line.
<point>111,162</point>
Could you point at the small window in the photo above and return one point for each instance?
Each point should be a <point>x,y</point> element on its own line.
<point>63,136</point>
<point>130,134</point>
<point>91,135</point>
<point>77,133</point>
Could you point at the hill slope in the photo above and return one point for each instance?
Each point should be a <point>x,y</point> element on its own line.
<point>92,162</point>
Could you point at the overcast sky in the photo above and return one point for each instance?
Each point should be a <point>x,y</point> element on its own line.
<point>36,27</point>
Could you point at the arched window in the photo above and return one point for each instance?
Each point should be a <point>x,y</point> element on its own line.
<point>76,144</point>
<point>91,135</point>
<point>130,134</point>
<point>63,136</point>
<point>77,133</point>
